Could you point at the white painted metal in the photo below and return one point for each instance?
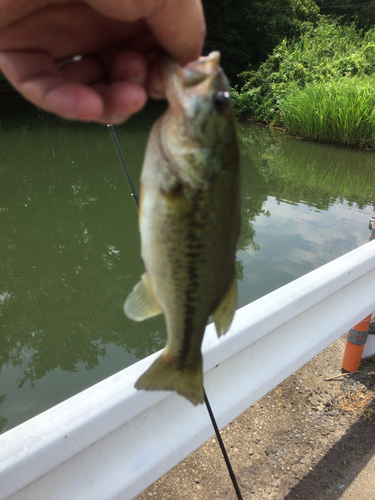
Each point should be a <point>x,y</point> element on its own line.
<point>111,442</point>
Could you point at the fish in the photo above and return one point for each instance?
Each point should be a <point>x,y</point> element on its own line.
<point>189,220</point>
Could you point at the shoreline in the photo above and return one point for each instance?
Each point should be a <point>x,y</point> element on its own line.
<point>284,131</point>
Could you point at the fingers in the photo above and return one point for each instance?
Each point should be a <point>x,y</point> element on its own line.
<point>180,29</point>
<point>122,100</point>
<point>78,91</point>
<point>178,25</point>
<point>129,66</point>
<point>86,71</point>
<point>109,83</point>
<point>37,78</point>
<point>155,84</point>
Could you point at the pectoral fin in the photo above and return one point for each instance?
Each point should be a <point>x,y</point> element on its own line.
<point>141,303</point>
<point>225,311</point>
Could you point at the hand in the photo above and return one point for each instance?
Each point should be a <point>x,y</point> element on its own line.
<point>118,41</point>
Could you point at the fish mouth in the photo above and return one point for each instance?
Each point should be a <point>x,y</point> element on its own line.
<point>197,71</point>
<point>196,78</point>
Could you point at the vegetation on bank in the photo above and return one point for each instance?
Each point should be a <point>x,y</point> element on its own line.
<point>342,111</point>
<point>290,65</point>
<point>246,31</point>
<point>319,86</point>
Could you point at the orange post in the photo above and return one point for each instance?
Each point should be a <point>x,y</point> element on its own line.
<point>355,342</point>
<point>372,228</point>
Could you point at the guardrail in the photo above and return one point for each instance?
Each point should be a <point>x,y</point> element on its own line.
<point>111,441</point>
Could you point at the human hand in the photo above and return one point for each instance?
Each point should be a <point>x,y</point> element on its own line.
<point>118,42</point>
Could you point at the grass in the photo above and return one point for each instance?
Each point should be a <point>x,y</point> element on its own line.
<point>341,111</point>
<point>329,54</point>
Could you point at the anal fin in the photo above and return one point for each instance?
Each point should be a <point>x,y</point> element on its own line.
<point>141,303</point>
<point>224,313</point>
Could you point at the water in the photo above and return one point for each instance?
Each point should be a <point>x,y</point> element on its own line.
<point>69,244</point>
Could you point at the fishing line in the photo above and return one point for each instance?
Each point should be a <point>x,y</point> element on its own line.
<point>208,406</point>
<point>223,450</point>
<point>113,135</point>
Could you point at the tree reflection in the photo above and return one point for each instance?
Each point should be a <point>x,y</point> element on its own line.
<point>69,251</point>
<point>318,175</point>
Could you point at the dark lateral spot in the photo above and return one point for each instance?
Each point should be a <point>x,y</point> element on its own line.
<point>195,224</point>
<point>192,286</point>
<point>192,273</point>
<point>188,329</point>
<point>195,246</point>
<point>192,237</point>
<point>193,255</point>
<point>189,309</point>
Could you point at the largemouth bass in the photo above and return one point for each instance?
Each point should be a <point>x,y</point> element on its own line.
<point>189,222</point>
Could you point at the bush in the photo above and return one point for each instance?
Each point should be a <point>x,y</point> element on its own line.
<point>323,54</point>
<point>246,31</point>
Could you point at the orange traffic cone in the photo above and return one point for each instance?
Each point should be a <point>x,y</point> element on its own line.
<point>356,340</point>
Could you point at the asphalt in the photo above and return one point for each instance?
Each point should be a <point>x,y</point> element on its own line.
<point>308,439</point>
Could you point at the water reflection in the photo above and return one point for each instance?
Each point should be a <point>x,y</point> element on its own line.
<point>306,203</point>
<point>69,255</point>
<point>69,243</point>
<point>301,171</point>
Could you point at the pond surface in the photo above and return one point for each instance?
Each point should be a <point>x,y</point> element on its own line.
<point>69,243</point>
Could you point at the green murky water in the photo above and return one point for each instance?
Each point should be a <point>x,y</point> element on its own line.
<point>69,244</point>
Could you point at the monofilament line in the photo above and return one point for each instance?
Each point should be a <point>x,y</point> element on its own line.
<point>222,447</point>
<point>208,406</point>
<point>113,133</point>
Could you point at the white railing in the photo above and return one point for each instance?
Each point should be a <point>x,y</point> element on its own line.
<point>111,441</point>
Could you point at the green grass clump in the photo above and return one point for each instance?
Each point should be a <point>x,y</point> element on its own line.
<point>341,111</point>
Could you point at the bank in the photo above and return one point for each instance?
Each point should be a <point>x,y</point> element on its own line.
<point>318,87</point>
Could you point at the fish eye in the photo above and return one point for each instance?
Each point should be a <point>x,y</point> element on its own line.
<point>221,100</point>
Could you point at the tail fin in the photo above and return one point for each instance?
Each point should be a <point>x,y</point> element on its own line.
<point>162,376</point>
